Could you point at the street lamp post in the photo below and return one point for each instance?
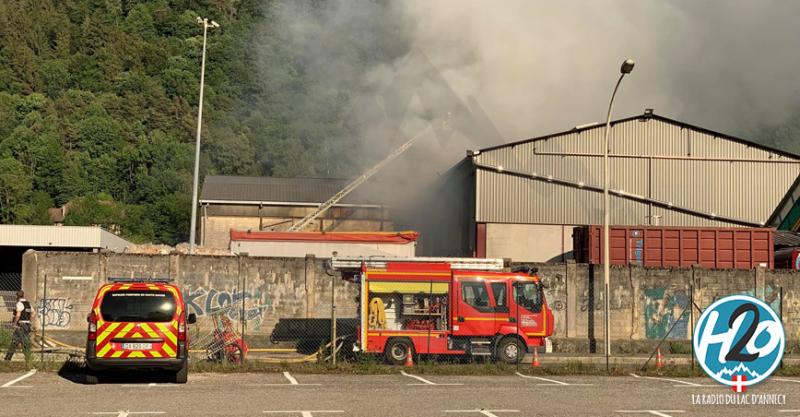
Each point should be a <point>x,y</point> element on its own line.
<point>192,232</point>
<point>626,68</point>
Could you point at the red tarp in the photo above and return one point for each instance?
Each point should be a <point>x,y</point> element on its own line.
<point>356,237</point>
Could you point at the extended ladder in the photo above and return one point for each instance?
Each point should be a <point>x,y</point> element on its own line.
<point>475,264</point>
<point>322,208</point>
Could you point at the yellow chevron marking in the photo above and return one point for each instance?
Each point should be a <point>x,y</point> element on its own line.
<point>156,354</point>
<point>116,354</point>
<point>136,355</point>
<point>170,352</point>
<point>169,333</point>
<point>149,330</point>
<point>104,350</point>
<point>107,332</point>
<point>125,330</point>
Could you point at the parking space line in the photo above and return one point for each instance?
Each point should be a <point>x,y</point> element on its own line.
<point>303,413</point>
<point>425,381</point>
<point>125,413</point>
<point>149,385</point>
<point>552,382</point>
<point>677,381</point>
<point>292,382</point>
<point>12,382</point>
<point>786,380</point>
<point>290,378</point>
<point>487,413</point>
<point>659,413</point>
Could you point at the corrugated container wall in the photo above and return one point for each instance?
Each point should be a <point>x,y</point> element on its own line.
<point>717,248</point>
<point>652,157</point>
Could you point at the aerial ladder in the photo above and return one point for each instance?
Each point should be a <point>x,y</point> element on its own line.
<point>323,207</point>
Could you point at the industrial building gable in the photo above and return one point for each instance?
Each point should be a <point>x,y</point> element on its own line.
<point>523,199</point>
<point>662,172</point>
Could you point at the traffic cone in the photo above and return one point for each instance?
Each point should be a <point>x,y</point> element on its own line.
<point>409,359</point>
<point>535,363</point>
<point>659,359</point>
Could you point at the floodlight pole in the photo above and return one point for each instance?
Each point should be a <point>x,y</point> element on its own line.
<point>626,68</point>
<point>192,230</point>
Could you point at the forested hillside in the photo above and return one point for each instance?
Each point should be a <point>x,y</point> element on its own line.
<point>98,107</point>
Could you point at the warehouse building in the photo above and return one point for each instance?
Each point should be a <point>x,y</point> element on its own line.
<point>523,199</point>
<point>273,204</point>
<point>16,239</point>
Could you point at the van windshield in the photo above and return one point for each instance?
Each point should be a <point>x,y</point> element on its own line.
<point>135,306</point>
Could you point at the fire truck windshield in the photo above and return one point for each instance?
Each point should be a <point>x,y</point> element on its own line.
<point>528,295</point>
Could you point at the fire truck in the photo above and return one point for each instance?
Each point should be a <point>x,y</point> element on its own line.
<point>447,306</point>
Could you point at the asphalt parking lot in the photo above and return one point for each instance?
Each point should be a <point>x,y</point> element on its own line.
<point>401,394</point>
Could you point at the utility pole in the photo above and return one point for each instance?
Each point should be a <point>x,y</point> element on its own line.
<point>192,232</point>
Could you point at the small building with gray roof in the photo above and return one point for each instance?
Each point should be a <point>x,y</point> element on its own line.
<point>273,204</point>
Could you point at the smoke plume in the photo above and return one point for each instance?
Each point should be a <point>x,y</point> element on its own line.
<point>541,67</point>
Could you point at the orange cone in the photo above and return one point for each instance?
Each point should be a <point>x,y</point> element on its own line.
<point>409,359</point>
<point>535,363</point>
<point>659,359</point>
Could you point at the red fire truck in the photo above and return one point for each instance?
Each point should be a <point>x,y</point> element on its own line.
<point>447,306</point>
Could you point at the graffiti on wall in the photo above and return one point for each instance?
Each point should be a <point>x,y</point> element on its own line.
<point>54,312</point>
<point>662,310</point>
<point>204,301</point>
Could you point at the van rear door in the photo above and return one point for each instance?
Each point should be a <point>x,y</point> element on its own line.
<point>138,323</point>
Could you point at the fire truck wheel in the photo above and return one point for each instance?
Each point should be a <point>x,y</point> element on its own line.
<point>396,350</point>
<point>510,349</point>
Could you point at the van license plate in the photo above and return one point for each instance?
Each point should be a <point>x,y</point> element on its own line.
<point>137,346</point>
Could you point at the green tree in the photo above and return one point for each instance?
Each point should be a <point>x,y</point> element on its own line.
<point>15,189</point>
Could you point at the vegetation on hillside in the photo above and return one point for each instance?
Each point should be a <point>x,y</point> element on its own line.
<point>98,107</point>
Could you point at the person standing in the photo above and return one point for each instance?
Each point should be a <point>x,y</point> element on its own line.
<point>22,327</point>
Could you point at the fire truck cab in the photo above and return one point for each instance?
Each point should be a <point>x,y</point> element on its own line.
<point>447,306</point>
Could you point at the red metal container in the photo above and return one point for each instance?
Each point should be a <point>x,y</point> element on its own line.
<point>656,246</point>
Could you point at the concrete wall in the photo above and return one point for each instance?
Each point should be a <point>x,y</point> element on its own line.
<point>645,303</point>
<point>529,242</point>
<point>272,288</point>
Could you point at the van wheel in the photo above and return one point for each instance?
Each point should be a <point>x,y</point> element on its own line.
<point>182,375</point>
<point>396,351</point>
<point>510,350</point>
<point>90,378</point>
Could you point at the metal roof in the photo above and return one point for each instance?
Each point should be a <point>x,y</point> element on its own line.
<point>647,116</point>
<point>225,189</point>
<point>85,237</point>
<point>787,239</point>
<point>661,169</point>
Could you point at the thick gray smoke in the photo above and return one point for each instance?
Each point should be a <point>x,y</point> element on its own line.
<point>541,67</point>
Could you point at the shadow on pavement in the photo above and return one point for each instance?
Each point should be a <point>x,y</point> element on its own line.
<point>75,372</point>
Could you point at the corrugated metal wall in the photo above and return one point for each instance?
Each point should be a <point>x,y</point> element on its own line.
<point>746,190</point>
